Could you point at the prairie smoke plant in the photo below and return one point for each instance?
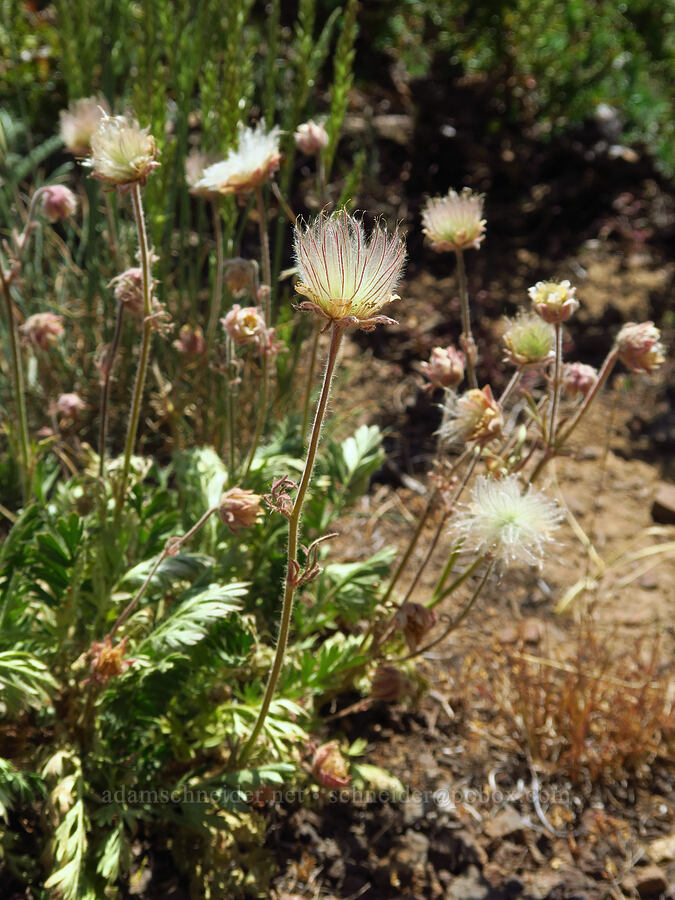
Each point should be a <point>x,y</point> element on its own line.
<point>122,153</point>
<point>502,520</point>
<point>529,341</point>
<point>248,166</point>
<point>640,347</point>
<point>554,301</point>
<point>454,222</point>
<point>445,367</point>
<point>58,202</point>
<point>474,417</point>
<point>80,122</point>
<point>347,277</point>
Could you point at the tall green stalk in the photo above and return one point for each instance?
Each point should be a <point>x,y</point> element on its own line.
<point>17,375</point>
<point>293,534</point>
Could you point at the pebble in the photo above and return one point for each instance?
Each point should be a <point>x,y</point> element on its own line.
<point>663,507</point>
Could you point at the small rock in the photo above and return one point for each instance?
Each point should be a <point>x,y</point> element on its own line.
<point>648,581</point>
<point>663,507</point>
<point>533,630</point>
<point>507,823</point>
<point>649,881</point>
<point>469,886</point>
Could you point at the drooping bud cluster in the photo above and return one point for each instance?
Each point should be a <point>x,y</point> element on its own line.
<point>79,122</point>
<point>239,509</point>
<point>445,367</point>
<point>190,341</point>
<point>244,326</point>
<point>346,277</point>
<point>58,202</point>
<point>414,620</point>
<point>43,329</point>
<point>454,222</point>
<point>554,301</point>
<point>529,341</point>
<point>129,290</point>
<point>329,766</point>
<point>474,417</point>
<point>578,379</point>
<point>122,153</point>
<point>311,138</point>
<point>640,347</point>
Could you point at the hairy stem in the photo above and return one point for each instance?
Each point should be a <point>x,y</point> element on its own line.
<point>308,388</point>
<point>470,346</point>
<point>265,253</point>
<point>17,375</point>
<point>555,387</point>
<point>105,388</point>
<point>293,534</point>
<point>134,416</point>
<point>217,295</point>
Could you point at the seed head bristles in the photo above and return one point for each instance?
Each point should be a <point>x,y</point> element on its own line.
<point>347,277</point>
<point>472,417</point>
<point>122,153</point>
<point>501,519</point>
<point>454,222</point>
<point>248,166</point>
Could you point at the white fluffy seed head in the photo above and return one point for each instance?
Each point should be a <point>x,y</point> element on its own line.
<point>500,518</point>
<point>255,158</point>
<point>454,222</point>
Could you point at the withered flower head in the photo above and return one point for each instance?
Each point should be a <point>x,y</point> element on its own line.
<point>43,329</point>
<point>58,202</point>
<point>244,326</point>
<point>122,153</point>
<point>108,661</point>
<point>475,416</point>
<point>454,222</point>
<point>414,620</point>
<point>239,509</point>
<point>190,341</point>
<point>129,290</point>
<point>445,367</point>
<point>578,379</point>
<point>554,301</point>
<point>346,277</point>
<point>640,347</point>
<point>329,766</point>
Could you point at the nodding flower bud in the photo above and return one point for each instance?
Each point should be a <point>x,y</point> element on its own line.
<point>79,122</point>
<point>190,341</point>
<point>475,416</point>
<point>329,766</point>
<point>239,509</point>
<point>43,329</point>
<point>58,202</point>
<point>578,379</point>
<point>107,661</point>
<point>414,620</point>
<point>69,406</point>
<point>389,684</point>
<point>311,137</point>
<point>129,290</point>
<point>554,301</point>
<point>445,367</point>
<point>454,222</point>
<point>529,341</point>
<point>240,276</point>
<point>640,347</point>
<point>122,153</point>
<point>244,326</point>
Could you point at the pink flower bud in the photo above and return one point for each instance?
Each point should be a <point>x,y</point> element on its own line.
<point>554,301</point>
<point>58,202</point>
<point>245,325</point>
<point>69,405</point>
<point>190,341</point>
<point>311,137</point>
<point>329,766</point>
<point>239,509</point>
<point>239,276</point>
<point>640,347</point>
<point>389,684</point>
<point>43,329</point>
<point>445,367</point>
<point>578,379</point>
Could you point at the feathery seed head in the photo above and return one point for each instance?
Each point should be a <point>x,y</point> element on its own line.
<point>445,367</point>
<point>578,379</point>
<point>454,222</point>
<point>347,277</point>
<point>58,202</point>
<point>80,122</point>
<point>253,161</point>
<point>122,153</point>
<point>529,341</point>
<point>554,301</point>
<point>475,416</point>
<point>502,520</point>
<point>640,347</point>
